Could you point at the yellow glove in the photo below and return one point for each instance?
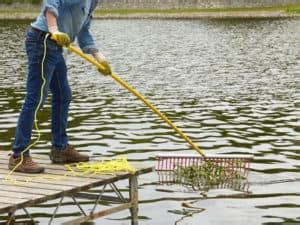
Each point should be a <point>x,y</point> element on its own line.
<point>61,38</point>
<point>106,70</point>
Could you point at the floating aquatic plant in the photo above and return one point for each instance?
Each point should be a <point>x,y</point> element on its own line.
<point>206,174</point>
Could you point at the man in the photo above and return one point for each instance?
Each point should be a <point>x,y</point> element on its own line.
<point>65,20</point>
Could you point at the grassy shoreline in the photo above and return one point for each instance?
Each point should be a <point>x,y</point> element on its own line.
<point>263,12</point>
<point>287,9</point>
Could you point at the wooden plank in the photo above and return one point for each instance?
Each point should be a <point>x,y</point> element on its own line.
<point>33,185</point>
<point>29,190</point>
<point>46,179</point>
<point>12,204</point>
<point>21,195</point>
<point>22,202</point>
<point>65,181</point>
<point>4,207</point>
<point>12,201</point>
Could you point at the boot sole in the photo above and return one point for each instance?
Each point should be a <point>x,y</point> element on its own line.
<point>19,170</point>
<point>61,161</point>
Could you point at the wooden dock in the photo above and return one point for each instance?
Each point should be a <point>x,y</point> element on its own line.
<point>34,189</point>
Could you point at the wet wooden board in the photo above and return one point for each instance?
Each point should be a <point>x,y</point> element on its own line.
<point>34,189</point>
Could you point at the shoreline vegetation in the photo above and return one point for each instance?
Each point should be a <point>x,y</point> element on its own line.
<point>15,13</point>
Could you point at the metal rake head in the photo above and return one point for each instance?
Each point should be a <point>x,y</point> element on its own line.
<point>230,163</point>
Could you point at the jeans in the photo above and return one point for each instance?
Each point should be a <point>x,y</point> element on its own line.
<point>55,74</point>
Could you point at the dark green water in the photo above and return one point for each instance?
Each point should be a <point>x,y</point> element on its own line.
<point>232,85</point>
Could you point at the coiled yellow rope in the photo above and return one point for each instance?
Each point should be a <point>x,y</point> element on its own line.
<point>103,167</point>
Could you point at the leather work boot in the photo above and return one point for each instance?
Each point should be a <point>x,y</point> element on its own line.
<point>69,155</point>
<point>27,165</point>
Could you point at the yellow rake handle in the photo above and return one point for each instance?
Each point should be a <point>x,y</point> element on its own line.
<point>137,94</point>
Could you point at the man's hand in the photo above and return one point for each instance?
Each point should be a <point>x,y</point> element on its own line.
<point>105,68</point>
<point>61,38</point>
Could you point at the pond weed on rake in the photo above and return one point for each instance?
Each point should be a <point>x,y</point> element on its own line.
<point>203,173</point>
<point>206,175</point>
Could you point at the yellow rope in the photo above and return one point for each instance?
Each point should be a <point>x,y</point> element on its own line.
<point>103,167</point>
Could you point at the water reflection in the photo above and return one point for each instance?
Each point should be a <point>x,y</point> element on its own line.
<point>168,178</point>
<point>232,86</point>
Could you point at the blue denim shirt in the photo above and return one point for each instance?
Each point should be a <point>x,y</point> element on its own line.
<point>73,17</point>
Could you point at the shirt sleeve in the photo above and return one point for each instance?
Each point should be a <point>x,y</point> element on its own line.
<point>51,6</point>
<point>85,38</point>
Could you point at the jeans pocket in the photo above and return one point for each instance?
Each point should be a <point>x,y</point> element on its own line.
<point>52,46</point>
<point>34,51</point>
<point>31,37</point>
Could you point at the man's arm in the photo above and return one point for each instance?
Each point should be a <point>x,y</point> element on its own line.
<point>61,38</point>
<point>87,45</point>
<point>86,40</point>
<point>51,6</point>
<point>51,21</point>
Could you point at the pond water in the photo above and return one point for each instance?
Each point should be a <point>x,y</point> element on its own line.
<point>233,86</point>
